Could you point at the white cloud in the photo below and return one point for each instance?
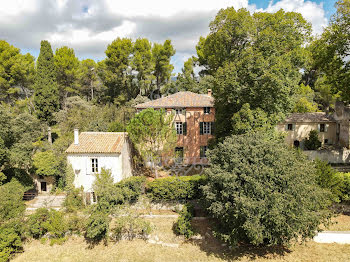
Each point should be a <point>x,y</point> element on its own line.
<point>311,11</point>
<point>89,25</point>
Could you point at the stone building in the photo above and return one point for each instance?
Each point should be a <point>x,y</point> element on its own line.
<point>194,123</point>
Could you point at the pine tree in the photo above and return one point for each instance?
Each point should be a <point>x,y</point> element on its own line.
<point>46,96</point>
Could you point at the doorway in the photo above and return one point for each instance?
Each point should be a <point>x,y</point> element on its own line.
<point>43,186</point>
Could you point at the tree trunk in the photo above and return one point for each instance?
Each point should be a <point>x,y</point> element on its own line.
<point>49,137</point>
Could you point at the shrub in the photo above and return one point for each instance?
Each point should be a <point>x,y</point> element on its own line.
<point>36,222</point>
<point>183,224</point>
<point>76,224</point>
<point>328,178</point>
<point>97,226</point>
<point>11,204</point>
<point>176,188</point>
<point>129,189</point>
<point>74,200</point>
<point>10,241</point>
<point>312,142</point>
<point>130,227</point>
<point>259,191</point>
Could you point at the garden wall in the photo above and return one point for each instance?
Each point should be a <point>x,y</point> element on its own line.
<point>340,156</point>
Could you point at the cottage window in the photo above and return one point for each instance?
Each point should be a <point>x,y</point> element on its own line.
<point>206,110</point>
<point>179,154</point>
<point>178,111</point>
<point>203,153</point>
<point>207,128</point>
<point>322,128</point>
<point>290,127</point>
<point>179,128</point>
<point>94,165</point>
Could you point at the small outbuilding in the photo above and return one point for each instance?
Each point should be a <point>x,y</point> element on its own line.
<point>92,151</point>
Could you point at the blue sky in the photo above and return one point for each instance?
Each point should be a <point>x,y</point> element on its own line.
<point>89,26</point>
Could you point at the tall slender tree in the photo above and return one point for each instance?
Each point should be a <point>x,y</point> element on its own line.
<point>46,95</point>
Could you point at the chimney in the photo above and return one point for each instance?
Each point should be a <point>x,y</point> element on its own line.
<point>209,92</point>
<point>76,136</point>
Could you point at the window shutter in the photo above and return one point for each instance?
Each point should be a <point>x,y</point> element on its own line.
<point>202,152</point>
<point>184,128</point>
<point>326,128</point>
<point>293,127</point>
<point>184,112</point>
<point>319,127</point>
<point>286,127</point>
<point>201,128</point>
<point>212,125</point>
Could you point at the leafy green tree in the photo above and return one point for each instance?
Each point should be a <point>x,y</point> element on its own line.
<point>304,100</point>
<point>152,133</point>
<point>16,72</point>
<point>312,142</point>
<point>88,79</point>
<point>262,192</point>
<point>67,66</point>
<point>46,164</point>
<point>143,64</point>
<point>115,72</point>
<point>162,54</point>
<point>46,95</point>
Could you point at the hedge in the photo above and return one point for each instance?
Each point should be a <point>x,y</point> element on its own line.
<point>176,188</point>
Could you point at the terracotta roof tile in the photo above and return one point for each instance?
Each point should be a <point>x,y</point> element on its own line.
<point>98,142</point>
<point>309,117</point>
<point>181,100</point>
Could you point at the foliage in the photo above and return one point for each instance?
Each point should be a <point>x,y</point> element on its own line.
<point>16,73</point>
<point>262,192</point>
<point>36,222</point>
<point>329,179</point>
<point>129,189</point>
<point>176,188</point>
<point>74,200</point>
<point>97,227</point>
<point>304,100</point>
<point>46,95</point>
<point>46,164</point>
<point>11,203</point>
<point>10,241</point>
<point>69,178</point>
<point>76,224</point>
<point>88,82</point>
<point>67,66</point>
<point>254,59</point>
<point>152,133</point>
<point>183,224</point>
<point>345,185</point>
<point>312,142</point>
<point>130,226</point>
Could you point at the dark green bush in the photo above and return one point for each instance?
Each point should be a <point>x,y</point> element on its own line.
<point>36,222</point>
<point>262,192</point>
<point>183,224</point>
<point>312,142</point>
<point>10,241</point>
<point>129,189</point>
<point>176,188</point>
<point>76,224</point>
<point>97,227</point>
<point>11,203</point>
<point>130,227</point>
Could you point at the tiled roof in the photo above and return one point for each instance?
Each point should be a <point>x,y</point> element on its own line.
<point>309,117</point>
<point>98,142</point>
<point>181,100</point>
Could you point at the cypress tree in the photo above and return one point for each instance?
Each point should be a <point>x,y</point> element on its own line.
<point>46,96</point>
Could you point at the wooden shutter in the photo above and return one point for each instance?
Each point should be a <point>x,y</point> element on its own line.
<point>202,152</point>
<point>326,127</point>
<point>212,125</point>
<point>184,128</point>
<point>286,127</point>
<point>319,127</point>
<point>201,128</point>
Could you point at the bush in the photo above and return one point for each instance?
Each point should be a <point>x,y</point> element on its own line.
<point>176,188</point>
<point>312,142</point>
<point>328,178</point>
<point>10,241</point>
<point>183,224</point>
<point>97,227</point>
<point>11,203</point>
<point>74,200</point>
<point>45,221</point>
<point>129,189</point>
<point>130,227</point>
<point>262,192</point>
<point>76,224</point>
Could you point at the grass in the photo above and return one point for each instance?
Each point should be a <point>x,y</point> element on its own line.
<point>206,249</point>
<point>339,223</point>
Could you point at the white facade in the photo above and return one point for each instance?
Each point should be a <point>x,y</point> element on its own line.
<point>118,163</point>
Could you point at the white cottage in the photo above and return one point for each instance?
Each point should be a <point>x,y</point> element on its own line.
<point>92,151</point>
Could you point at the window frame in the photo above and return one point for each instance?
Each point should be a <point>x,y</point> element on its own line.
<point>206,128</point>
<point>203,150</point>
<point>179,128</point>
<point>206,110</point>
<point>94,165</point>
<point>322,128</point>
<point>290,125</point>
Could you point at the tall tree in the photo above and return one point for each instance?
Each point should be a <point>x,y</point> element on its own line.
<point>162,54</point>
<point>67,65</point>
<point>256,59</point>
<point>46,95</point>
<point>88,79</point>
<point>116,72</point>
<point>143,64</point>
<point>16,72</point>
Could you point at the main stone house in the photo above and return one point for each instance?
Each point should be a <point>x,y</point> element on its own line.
<point>92,151</point>
<point>194,123</point>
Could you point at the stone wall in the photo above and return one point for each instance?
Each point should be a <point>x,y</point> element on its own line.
<point>341,156</point>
